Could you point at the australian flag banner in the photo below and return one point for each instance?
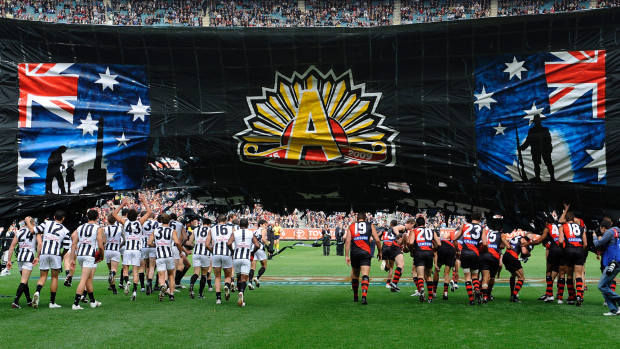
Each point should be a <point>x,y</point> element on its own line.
<point>83,128</point>
<point>541,117</point>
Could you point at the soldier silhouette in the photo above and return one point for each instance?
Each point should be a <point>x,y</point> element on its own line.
<point>54,170</point>
<point>539,141</point>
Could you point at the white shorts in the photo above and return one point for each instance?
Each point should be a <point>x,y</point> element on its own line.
<point>149,252</point>
<point>242,266</point>
<point>218,261</point>
<point>260,255</point>
<point>122,249</point>
<point>49,261</point>
<point>112,256</point>
<point>24,265</point>
<point>87,261</point>
<point>164,264</point>
<point>175,253</point>
<point>132,257</point>
<point>201,260</point>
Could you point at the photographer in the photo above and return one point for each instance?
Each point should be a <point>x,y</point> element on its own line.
<point>609,244</point>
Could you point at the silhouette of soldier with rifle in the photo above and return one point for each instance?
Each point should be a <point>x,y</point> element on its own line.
<point>539,141</point>
<point>54,170</point>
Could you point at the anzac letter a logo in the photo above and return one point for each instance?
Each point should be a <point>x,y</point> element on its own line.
<point>316,121</point>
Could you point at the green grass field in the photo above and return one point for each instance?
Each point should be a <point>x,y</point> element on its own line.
<point>284,314</point>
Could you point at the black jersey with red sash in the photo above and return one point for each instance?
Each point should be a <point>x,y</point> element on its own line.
<point>573,235</point>
<point>361,232</point>
<point>424,239</point>
<point>446,236</point>
<point>554,237</point>
<point>515,244</point>
<point>388,237</point>
<point>494,242</point>
<point>472,236</point>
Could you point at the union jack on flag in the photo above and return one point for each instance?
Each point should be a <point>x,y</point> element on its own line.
<point>81,127</point>
<point>541,117</point>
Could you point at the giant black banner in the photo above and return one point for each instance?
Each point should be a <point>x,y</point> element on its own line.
<point>509,114</point>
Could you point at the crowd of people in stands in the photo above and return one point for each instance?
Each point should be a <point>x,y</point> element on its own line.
<point>608,3</point>
<point>175,13</point>
<point>335,13</point>
<point>437,221</point>
<point>413,11</point>
<point>264,13</point>
<point>531,7</point>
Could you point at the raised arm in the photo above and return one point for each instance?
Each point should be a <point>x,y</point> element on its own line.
<point>562,218</point>
<point>118,218</point>
<point>148,209</point>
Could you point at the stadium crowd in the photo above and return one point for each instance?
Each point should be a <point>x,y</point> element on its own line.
<point>264,13</point>
<point>347,13</point>
<point>413,11</point>
<point>531,7</point>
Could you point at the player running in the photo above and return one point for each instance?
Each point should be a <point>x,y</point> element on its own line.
<point>113,234</point>
<point>572,235</point>
<point>515,246</point>
<point>86,239</point>
<point>423,238</point>
<point>260,255</point>
<point>162,239</point>
<point>396,253</point>
<point>246,245</point>
<point>490,256</point>
<point>359,260</point>
<point>28,243</point>
<point>149,255</point>
<point>221,258</point>
<point>470,254</point>
<point>446,257</point>
<point>555,258</point>
<point>202,257</point>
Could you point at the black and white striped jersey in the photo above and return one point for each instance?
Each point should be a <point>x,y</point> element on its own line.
<point>200,238</point>
<point>243,243</point>
<point>113,235</point>
<point>219,237</point>
<point>163,241</point>
<point>233,226</point>
<point>87,239</point>
<point>132,231</point>
<point>55,236</point>
<point>147,230</point>
<point>27,245</point>
<point>259,236</point>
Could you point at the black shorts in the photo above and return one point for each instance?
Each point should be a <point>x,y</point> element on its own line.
<point>424,258</point>
<point>574,256</point>
<point>446,255</point>
<point>396,250</point>
<point>470,260</point>
<point>359,259</point>
<point>276,237</point>
<point>555,258</point>
<point>491,264</point>
<point>511,263</point>
<point>386,253</point>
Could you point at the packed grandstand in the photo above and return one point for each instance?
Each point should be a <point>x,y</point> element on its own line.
<point>282,13</point>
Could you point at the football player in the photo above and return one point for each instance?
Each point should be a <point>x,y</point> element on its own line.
<point>147,262</point>
<point>113,235</point>
<point>221,257</point>
<point>246,245</point>
<point>260,255</point>
<point>28,243</point>
<point>424,240</point>
<point>357,243</point>
<point>162,239</point>
<point>86,239</point>
<point>470,255</point>
<point>201,258</point>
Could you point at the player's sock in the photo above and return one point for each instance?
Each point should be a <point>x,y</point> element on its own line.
<point>470,291</point>
<point>141,276</point>
<point>429,286</point>
<point>512,284</point>
<point>491,288</point>
<point>415,282</point>
<point>388,281</point>
<point>518,286</point>
<point>476,283</point>
<point>242,285</point>
<point>84,293</point>
<point>53,297</point>
<point>561,284</point>
<point>192,281</point>
<point>91,297</point>
<point>355,284</point>
<point>420,284</point>
<point>20,290</point>
<point>185,269</point>
<point>238,280</point>
<point>27,293</point>
<point>77,299</point>
<point>445,287</point>
<point>177,276</point>
<point>209,282</point>
<point>365,282</point>
<point>218,295</point>
<point>39,287</point>
<point>203,281</point>
<point>571,289</point>
<point>126,278</point>
<point>251,276</point>
<point>485,292</point>
<point>227,284</point>
<point>66,272</point>
<point>261,271</point>
<point>397,274</point>
<point>149,282</point>
<point>549,291</point>
<point>613,285</point>
<point>579,285</point>
<point>135,287</point>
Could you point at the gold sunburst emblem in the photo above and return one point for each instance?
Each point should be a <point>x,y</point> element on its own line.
<point>316,121</point>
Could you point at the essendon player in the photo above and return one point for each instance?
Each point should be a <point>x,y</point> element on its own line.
<point>572,237</point>
<point>87,238</point>
<point>202,257</point>
<point>515,246</point>
<point>555,259</point>
<point>132,231</point>
<point>470,255</point>
<point>26,258</point>
<point>490,256</point>
<point>446,256</point>
<point>423,239</point>
<point>387,237</point>
<point>357,242</point>
<point>396,252</point>
<point>162,239</point>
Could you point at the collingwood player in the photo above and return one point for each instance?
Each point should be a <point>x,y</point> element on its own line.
<point>179,254</point>
<point>357,242</point>
<point>55,235</point>
<point>148,255</point>
<point>26,258</point>
<point>222,256</point>
<point>246,245</point>
<point>260,255</point>
<point>86,239</point>
<point>162,239</point>
<point>132,231</point>
<point>201,258</point>
<point>113,234</point>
